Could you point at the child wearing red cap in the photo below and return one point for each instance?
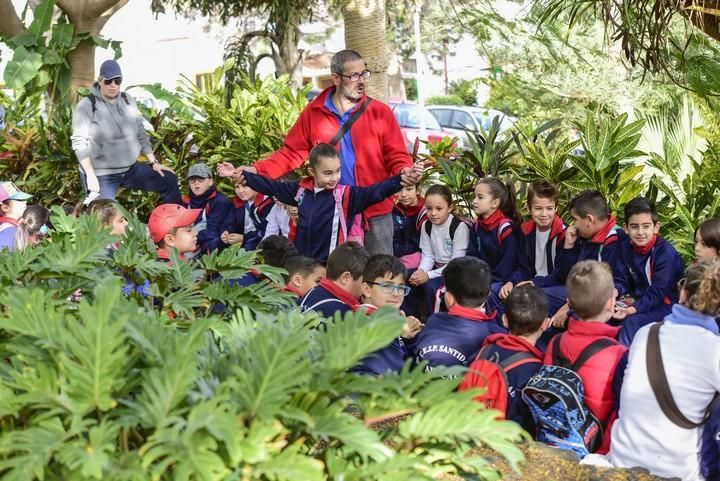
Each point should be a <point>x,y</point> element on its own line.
<point>171,227</point>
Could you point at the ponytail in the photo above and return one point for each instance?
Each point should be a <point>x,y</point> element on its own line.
<point>33,224</point>
<point>506,193</point>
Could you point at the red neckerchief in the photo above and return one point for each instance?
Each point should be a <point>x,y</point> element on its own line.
<point>307,183</point>
<point>237,202</point>
<point>9,220</point>
<point>642,250</point>
<point>411,210</point>
<point>601,235</point>
<point>368,308</point>
<point>491,222</point>
<point>163,254</point>
<point>469,313</point>
<point>293,289</point>
<point>513,343</point>
<point>292,230</point>
<point>340,294</point>
<point>556,228</point>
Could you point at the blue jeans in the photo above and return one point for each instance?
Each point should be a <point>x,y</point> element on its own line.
<point>139,177</point>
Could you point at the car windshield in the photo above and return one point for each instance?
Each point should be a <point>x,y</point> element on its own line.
<point>408,115</point>
<point>485,119</point>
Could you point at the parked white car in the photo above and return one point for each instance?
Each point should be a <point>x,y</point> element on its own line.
<point>460,119</point>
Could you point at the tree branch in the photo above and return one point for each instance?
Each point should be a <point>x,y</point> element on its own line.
<point>10,24</point>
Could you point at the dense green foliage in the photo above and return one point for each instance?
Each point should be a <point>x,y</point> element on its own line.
<point>126,385</point>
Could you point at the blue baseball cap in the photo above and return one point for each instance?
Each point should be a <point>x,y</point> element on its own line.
<point>110,69</point>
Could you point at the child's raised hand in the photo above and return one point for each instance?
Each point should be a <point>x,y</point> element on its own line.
<point>570,237</point>
<point>412,327</point>
<point>225,169</point>
<point>505,290</point>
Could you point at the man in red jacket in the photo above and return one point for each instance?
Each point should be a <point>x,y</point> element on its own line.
<point>371,151</point>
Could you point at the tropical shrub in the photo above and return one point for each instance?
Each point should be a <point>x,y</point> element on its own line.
<point>151,380</point>
<point>444,100</point>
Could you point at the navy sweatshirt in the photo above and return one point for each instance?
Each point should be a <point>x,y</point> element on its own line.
<point>554,244</point>
<point>389,359</point>
<point>316,210</point>
<point>499,243</point>
<point>407,222</point>
<point>453,337</point>
<point>651,277</point>
<point>258,210</point>
<point>327,299</point>
<point>235,220</point>
<point>210,223</point>
<point>604,246</point>
<point>504,346</point>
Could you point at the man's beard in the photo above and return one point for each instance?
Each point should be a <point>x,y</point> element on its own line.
<point>349,95</point>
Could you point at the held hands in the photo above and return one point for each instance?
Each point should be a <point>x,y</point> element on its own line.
<point>225,169</point>
<point>622,312</point>
<point>412,327</point>
<point>570,237</point>
<point>412,175</point>
<point>418,278</point>
<point>160,169</point>
<point>231,239</point>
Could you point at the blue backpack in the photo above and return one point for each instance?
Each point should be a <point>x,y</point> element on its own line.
<point>555,396</point>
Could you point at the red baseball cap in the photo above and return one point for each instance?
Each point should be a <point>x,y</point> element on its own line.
<point>165,217</point>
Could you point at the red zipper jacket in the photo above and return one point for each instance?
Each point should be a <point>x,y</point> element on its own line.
<point>377,140</point>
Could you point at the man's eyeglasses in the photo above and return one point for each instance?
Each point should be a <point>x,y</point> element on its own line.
<point>116,81</point>
<point>365,74</point>
<point>388,288</point>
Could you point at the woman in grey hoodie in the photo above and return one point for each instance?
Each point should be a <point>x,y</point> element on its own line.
<point>108,135</point>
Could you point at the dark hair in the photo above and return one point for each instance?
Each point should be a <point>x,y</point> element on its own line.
<point>291,176</point>
<point>542,189</point>
<point>338,61</point>
<point>302,265</point>
<point>589,286</point>
<point>105,209</point>
<point>276,250</point>
<point>505,192</point>
<point>349,257</point>
<point>30,224</point>
<point>526,308</point>
<point>325,151</point>
<point>702,285</point>
<point>442,191</point>
<point>380,265</point>
<point>590,202</point>
<point>710,233</point>
<point>468,280</point>
<point>640,205</point>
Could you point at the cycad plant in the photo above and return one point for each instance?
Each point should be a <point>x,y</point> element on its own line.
<point>154,383</point>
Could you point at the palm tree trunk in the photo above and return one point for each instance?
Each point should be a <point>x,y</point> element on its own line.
<point>365,33</point>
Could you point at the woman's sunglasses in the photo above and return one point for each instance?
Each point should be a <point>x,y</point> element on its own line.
<point>117,81</point>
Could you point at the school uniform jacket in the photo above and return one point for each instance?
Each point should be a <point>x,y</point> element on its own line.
<point>215,211</point>
<point>327,299</point>
<point>407,222</point>
<point>453,337</point>
<point>504,346</point>
<point>377,141</point>
<point>258,210</point>
<point>604,246</point>
<point>235,220</point>
<point>499,243</point>
<point>555,241</point>
<point>649,274</point>
<point>318,219</point>
<point>598,373</point>
<point>389,359</point>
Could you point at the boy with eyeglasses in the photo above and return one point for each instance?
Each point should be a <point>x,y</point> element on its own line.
<point>215,207</point>
<point>384,285</point>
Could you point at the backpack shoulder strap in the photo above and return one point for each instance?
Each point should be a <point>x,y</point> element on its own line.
<point>338,195</point>
<point>517,360</point>
<point>592,349</point>
<point>299,193</point>
<point>659,382</point>
<point>557,358</point>
<point>93,102</point>
<point>454,224</point>
<point>125,98</point>
<point>349,123</point>
<point>428,227</point>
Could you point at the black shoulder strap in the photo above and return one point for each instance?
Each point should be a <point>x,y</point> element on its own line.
<point>93,101</point>
<point>125,98</point>
<point>557,358</point>
<point>343,130</point>
<point>428,227</point>
<point>517,359</point>
<point>659,383</point>
<point>592,349</point>
<point>454,224</point>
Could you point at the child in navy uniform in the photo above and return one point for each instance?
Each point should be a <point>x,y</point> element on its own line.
<point>303,273</point>
<point>526,316</point>
<point>172,227</point>
<point>455,337</point>
<point>408,217</point>
<point>384,285</point>
<point>215,207</point>
<point>325,209</point>
<point>594,235</point>
<point>497,237</point>
<point>648,271</point>
<point>707,240</point>
<point>340,291</point>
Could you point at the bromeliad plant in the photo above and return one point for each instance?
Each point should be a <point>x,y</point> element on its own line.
<point>112,387</point>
